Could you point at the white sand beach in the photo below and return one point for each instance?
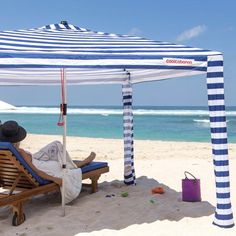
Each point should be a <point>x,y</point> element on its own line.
<point>157,163</point>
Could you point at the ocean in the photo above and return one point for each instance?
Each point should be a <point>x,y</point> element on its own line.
<point>150,123</point>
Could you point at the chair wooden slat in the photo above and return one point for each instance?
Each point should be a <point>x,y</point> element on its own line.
<point>21,185</point>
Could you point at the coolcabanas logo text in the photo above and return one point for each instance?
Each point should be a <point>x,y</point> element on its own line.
<point>174,61</point>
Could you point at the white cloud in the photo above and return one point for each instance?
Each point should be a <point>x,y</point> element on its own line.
<point>191,33</point>
<point>135,32</point>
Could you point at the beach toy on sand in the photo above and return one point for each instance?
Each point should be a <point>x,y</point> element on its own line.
<point>124,194</point>
<point>110,195</point>
<point>159,190</point>
<point>152,201</point>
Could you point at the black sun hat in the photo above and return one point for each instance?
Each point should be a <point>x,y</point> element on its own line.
<point>10,131</point>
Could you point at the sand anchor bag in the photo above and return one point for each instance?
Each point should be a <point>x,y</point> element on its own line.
<point>191,191</point>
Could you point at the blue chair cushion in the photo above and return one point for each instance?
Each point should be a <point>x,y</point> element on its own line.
<point>92,166</point>
<point>10,147</point>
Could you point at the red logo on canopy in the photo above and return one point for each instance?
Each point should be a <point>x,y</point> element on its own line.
<point>178,61</point>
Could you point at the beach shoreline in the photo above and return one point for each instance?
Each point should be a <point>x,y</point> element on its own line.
<point>157,163</point>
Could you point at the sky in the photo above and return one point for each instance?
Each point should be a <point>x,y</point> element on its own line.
<point>209,24</point>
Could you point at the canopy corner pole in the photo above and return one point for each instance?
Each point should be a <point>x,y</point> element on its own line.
<point>127,93</point>
<point>64,119</point>
<point>216,103</point>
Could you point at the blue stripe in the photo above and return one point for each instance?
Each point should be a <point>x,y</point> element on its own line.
<point>221,173</point>
<point>130,183</point>
<point>223,206</point>
<point>125,66</point>
<point>67,41</point>
<point>215,74</point>
<point>223,195</point>
<point>115,66</point>
<point>67,26</point>
<point>57,26</point>
<point>222,185</point>
<point>219,140</point>
<point>215,63</point>
<point>217,108</point>
<point>224,226</point>
<point>108,42</point>
<point>216,97</point>
<point>224,217</point>
<point>220,152</point>
<point>215,86</point>
<point>221,163</point>
<point>219,130</point>
<point>217,119</point>
<point>103,49</point>
<point>89,57</point>
<point>128,176</point>
<point>127,97</point>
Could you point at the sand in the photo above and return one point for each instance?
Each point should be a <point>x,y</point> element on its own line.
<point>157,163</point>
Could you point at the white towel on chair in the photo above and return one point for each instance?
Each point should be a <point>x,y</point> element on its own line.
<point>49,160</point>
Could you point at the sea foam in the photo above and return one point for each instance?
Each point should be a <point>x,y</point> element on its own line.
<point>112,111</point>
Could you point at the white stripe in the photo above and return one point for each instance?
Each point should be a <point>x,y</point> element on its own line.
<point>215,80</point>
<point>127,91</point>
<point>215,91</point>
<point>224,211</point>
<point>127,110</point>
<point>218,135</point>
<point>217,124</point>
<point>216,102</point>
<point>215,69</point>
<point>74,62</point>
<point>221,168</point>
<point>220,146</point>
<point>223,201</point>
<point>127,125</point>
<point>222,179</point>
<point>222,190</point>
<point>218,113</point>
<point>223,222</point>
<point>128,153</point>
<point>215,58</point>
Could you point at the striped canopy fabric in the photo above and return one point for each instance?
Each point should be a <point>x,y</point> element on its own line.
<point>36,56</point>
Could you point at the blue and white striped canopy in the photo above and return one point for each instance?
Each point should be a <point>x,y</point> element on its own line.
<point>35,56</point>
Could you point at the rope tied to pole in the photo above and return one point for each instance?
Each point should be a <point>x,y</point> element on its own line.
<point>63,105</point>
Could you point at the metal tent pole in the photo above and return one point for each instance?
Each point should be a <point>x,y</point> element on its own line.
<point>64,109</point>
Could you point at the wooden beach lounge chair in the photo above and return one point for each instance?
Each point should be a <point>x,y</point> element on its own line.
<point>19,182</point>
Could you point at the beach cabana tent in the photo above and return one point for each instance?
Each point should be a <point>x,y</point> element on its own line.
<point>36,57</point>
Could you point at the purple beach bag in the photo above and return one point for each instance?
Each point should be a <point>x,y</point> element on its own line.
<point>191,191</point>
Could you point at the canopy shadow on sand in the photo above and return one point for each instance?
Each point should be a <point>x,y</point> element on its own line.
<point>107,209</point>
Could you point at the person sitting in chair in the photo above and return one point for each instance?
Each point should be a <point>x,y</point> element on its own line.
<point>48,161</point>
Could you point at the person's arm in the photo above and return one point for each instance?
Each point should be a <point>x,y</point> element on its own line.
<point>28,158</point>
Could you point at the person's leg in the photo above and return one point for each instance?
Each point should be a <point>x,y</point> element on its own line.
<point>87,160</point>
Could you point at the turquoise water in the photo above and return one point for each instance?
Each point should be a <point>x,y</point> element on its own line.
<point>153,123</point>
